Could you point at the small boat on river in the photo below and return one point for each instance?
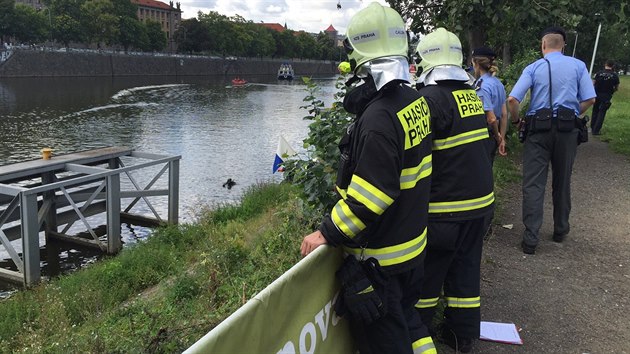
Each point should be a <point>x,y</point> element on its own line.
<point>285,72</point>
<point>238,82</point>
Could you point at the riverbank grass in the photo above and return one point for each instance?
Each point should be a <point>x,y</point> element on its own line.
<point>163,294</point>
<point>616,129</point>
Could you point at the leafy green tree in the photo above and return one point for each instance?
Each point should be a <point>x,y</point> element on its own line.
<point>28,24</point>
<point>218,27</point>
<point>316,173</point>
<point>132,33</point>
<point>193,36</point>
<point>262,42</point>
<point>7,7</point>
<point>99,21</point>
<point>327,48</point>
<point>157,38</point>
<point>66,20</point>
<point>308,46</point>
<point>67,29</point>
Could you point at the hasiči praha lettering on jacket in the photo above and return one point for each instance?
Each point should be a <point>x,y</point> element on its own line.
<point>415,119</point>
<point>468,103</point>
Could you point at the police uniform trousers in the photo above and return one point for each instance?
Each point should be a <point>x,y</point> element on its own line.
<point>452,266</point>
<point>493,146</point>
<point>540,149</point>
<point>602,103</point>
<point>401,326</point>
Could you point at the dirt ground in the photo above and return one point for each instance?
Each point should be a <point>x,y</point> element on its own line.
<point>572,297</point>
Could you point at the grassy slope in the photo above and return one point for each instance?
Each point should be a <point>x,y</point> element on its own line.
<point>616,130</point>
<point>162,295</point>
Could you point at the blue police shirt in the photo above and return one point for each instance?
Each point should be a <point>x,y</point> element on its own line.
<point>565,73</point>
<point>492,94</point>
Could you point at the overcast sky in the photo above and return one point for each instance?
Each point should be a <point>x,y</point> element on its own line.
<point>308,15</point>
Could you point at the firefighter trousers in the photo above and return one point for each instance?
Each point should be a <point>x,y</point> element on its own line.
<point>401,330</point>
<point>452,268</point>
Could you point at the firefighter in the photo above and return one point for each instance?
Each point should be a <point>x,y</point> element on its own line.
<point>462,197</point>
<point>383,183</point>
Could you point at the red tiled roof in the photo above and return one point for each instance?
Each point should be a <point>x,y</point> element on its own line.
<point>152,3</point>
<point>330,29</point>
<point>274,26</point>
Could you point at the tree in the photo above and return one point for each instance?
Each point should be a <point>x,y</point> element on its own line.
<point>29,25</point>
<point>7,7</point>
<point>192,36</point>
<point>262,42</point>
<point>66,29</point>
<point>157,38</point>
<point>99,21</point>
<point>505,24</point>
<point>308,46</point>
<point>326,47</point>
<point>132,33</point>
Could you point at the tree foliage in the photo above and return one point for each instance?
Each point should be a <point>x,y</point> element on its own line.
<point>316,173</point>
<point>512,27</point>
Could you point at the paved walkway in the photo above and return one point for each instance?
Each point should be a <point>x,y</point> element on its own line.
<point>572,297</point>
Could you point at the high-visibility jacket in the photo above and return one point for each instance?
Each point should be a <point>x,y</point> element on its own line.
<point>384,181</point>
<point>462,182</point>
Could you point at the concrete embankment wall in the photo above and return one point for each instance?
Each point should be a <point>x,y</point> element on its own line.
<point>26,63</point>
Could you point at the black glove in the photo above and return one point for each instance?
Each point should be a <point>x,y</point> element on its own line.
<point>358,295</point>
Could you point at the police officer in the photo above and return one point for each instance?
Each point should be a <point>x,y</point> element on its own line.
<point>492,93</point>
<point>606,82</point>
<point>384,183</point>
<point>462,196</point>
<point>560,91</point>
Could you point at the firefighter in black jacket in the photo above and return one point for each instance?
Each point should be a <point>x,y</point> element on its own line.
<point>462,197</point>
<point>384,182</point>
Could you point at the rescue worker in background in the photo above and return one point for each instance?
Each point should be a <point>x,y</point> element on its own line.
<point>561,90</point>
<point>606,82</point>
<point>384,183</point>
<point>492,93</point>
<point>462,197</point>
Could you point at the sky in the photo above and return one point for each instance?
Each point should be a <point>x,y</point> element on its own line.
<point>308,15</point>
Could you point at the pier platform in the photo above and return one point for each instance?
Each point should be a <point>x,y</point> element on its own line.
<point>46,197</point>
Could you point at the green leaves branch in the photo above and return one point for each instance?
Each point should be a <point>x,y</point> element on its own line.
<point>316,173</point>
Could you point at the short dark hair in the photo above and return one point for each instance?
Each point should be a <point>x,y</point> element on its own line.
<point>610,63</point>
<point>554,30</point>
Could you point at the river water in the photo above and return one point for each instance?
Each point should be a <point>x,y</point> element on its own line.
<point>220,131</point>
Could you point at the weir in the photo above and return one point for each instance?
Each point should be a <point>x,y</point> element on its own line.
<point>49,196</point>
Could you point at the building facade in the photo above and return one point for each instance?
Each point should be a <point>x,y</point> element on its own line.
<point>168,16</point>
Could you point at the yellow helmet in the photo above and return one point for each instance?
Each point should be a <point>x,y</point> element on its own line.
<point>440,47</point>
<point>375,32</point>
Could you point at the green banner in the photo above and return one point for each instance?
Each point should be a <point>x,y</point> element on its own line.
<point>292,315</point>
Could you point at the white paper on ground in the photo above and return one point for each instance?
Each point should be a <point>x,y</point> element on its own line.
<point>500,332</point>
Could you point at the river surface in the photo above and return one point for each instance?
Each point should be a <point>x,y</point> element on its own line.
<point>220,131</point>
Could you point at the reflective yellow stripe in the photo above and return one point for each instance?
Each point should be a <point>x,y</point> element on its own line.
<point>424,346</point>
<point>463,302</point>
<point>342,192</point>
<point>410,176</point>
<point>392,255</point>
<point>461,205</point>
<point>460,139</point>
<point>345,220</point>
<point>426,303</point>
<point>368,195</point>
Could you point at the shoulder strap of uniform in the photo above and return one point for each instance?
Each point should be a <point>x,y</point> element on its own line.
<point>549,67</point>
